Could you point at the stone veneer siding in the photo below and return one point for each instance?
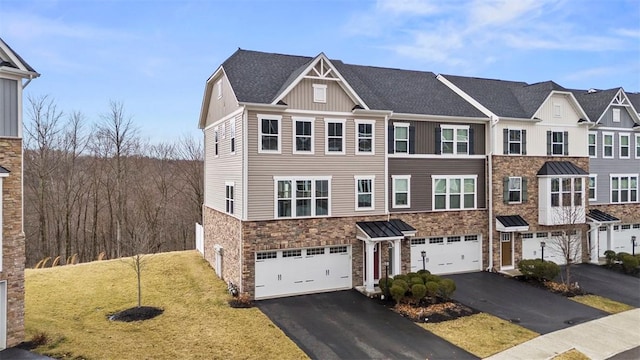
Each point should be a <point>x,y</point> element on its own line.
<point>13,248</point>
<point>627,213</point>
<point>527,167</point>
<point>256,236</point>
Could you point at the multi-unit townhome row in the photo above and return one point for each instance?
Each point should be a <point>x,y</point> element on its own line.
<point>321,175</point>
<point>15,75</point>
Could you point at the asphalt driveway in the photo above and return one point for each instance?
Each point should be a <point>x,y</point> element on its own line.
<point>348,325</point>
<point>607,283</point>
<point>526,305</point>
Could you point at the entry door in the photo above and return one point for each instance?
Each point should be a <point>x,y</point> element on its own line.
<point>506,250</point>
<point>376,262</point>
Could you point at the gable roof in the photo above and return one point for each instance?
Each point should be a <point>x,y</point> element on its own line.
<point>11,59</point>
<point>634,98</point>
<point>595,103</point>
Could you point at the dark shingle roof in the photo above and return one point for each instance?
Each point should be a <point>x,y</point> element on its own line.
<point>260,77</point>
<point>635,100</point>
<point>560,168</point>
<point>512,221</point>
<point>26,65</point>
<point>601,216</point>
<point>594,103</point>
<point>3,170</point>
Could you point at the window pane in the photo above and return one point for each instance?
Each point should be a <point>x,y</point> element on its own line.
<point>608,140</point>
<point>303,144</point>
<point>462,148</point>
<point>624,141</point>
<point>284,208</point>
<point>447,134</point>
<point>514,183</point>
<point>454,186</point>
<point>469,185</point>
<point>364,186</point>
<point>555,184</point>
<point>463,135</point>
<point>322,188</point>
<point>401,198</point>
<point>335,144</point>
<point>303,207</point>
<point>614,183</point>
<point>364,130</point>
<point>558,149</point>
<point>447,148</point>
<point>322,207</point>
<point>269,142</point>
<point>440,201</point>
<point>557,137</point>
<point>364,200</point>
<point>402,133</point>
<point>303,188</point>
<point>469,200</point>
<point>514,148</point>
<point>514,135</point>
<point>454,202</point>
<point>364,145</point>
<point>441,186</point>
<point>284,189</point>
<point>577,184</point>
<point>303,128</point>
<point>555,200</point>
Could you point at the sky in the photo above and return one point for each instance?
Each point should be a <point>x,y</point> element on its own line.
<point>155,56</point>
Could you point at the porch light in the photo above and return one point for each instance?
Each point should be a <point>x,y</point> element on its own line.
<point>542,245</point>
<point>424,256</point>
<point>633,245</point>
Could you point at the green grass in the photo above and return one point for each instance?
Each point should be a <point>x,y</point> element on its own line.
<point>70,305</point>
<point>604,304</point>
<point>572,354</point>
<point>481,334</point>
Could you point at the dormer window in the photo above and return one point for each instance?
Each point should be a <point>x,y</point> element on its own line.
<point>319,93</point>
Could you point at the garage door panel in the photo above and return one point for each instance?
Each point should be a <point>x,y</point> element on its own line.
<point>445,255</point>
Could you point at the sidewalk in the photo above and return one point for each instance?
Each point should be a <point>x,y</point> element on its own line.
<point>598,339</point>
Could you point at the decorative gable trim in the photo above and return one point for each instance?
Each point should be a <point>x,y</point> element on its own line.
<point>467,97</point>
<point>573,101</point>
<point>321,68</point>
<point>621,99</point>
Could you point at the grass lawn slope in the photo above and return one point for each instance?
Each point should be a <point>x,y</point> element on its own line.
<point>70,306</point>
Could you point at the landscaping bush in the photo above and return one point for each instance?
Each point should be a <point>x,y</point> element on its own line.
<point>397,292</point>
<point>411,274</point>
<point>382,283</point>
<point>432,289</point>
<point>431,277</point>
<point>401,284</point>
<point>422,272</point>
<point>630,263</point>
<point>446,287</point>
<point>610,256</point>
<point>538,269</point>
<point>621,255</point>
<point>400,277</point>
<point>416,280</point>
<point>418,291</point>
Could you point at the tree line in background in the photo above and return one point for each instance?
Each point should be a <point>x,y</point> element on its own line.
<point>101,190</point>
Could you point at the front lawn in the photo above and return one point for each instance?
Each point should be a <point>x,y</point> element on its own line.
<point>604,304</point>
<point>69,307</point>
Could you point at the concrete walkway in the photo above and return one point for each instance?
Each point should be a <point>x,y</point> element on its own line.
<point>598,339</point>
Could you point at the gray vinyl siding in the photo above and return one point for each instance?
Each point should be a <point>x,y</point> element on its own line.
<point>421,171</point>
<point>425,138</point>
<point>342,168</point>
<point>301,97</point>
<point>223,106</point>
<point>225,167</point>
<point>8,107</point>
<point>625,119</point>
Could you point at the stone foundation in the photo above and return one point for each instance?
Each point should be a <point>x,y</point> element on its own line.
<point>627,213</point>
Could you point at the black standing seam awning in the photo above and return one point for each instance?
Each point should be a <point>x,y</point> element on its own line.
<point>4,170</point>
<point>393,229</point>
<point>511,223</point>
<point>601,216</point>
<point>561,168</point>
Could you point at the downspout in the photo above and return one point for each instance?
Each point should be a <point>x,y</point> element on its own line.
<point>494,121</point>
<point>245,192</point>
<point>28,81</point>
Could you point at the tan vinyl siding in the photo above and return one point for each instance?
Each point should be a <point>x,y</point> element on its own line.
<point>223,106</point>
<point>301,97</point>
<point>426,130</point>
<point>421,171</point>
<point>225,167</point>
<point>342,168</point>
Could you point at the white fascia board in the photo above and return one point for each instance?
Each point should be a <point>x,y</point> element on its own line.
<point>264,107</point>
<point>208,91</point>
<point>466,97</point>
<point>461,119</point>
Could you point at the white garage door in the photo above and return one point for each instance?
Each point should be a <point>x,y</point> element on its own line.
<point>531,248</point>
<point>302,271</point>
<point>447,255</point>
<point>622,237</point>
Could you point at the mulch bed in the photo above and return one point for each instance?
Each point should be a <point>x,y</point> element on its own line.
<point>426,312</point>
<point>136,314</point>
<point>554,287</point>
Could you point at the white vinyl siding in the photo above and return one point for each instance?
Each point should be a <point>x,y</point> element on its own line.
<point>401,190</point>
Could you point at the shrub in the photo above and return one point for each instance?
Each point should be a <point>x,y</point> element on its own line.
<point>610,256</point>
<point>418,291</point>
<point>416,280</point>
<point>432,289</point>
<point>400,277</point>
<point>411,274</point>
<point>621,255</point>
<point>421,272</point>
<point>382,283</point>
<point>401,283</point>
<point>538,269</point>
<point>397,292</point>
<point>446,287</point>
<point>629,263</point>
<point>432,277</point>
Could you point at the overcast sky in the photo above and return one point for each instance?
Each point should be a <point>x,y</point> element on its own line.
<point>155,56</point>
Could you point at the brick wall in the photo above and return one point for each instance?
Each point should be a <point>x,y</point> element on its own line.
<point>13,255</point>
<point>627,213</point>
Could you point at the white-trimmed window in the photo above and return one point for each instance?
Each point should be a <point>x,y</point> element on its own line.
<point>624,188</point>
<point>607,145</point>
<point>365,186</point>
<point>401,190</point>
<point>637,146</point>
<point>219,88</point>
<point>365,137</point>
<point>624,140</point>
<point>514,141</point>
<point>269,139</point>
<point>335,137</point>
<point>232,135</point>
<point>515,190</point>
<point>454,139</point>
<point>557,143</point>
<point>319,93</point>
<point>229,196</point>
<point>593,182</point>
<point>454,192</point>
<point>566,192</point>
<point>302,196</point>
<point>593,144</point>
<point>401,138</point>
<point>216,141</point>
<point>303,135</point>
<point>615,115</point>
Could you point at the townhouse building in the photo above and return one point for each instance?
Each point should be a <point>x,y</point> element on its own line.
<point>15,75</point>
<point>322,175</point>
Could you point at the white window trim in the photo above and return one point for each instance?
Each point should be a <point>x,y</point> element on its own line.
<point>328,121</point>
<point>232,184</point>
<point>637,176</point>
<point>509,142</point>
<point>455,129</point>
<point>595,133</point>
<point>613,145</point>
<point>293,179</point>
<point>572,191</point>
<point>232,136</point>
<point>520,191</point>
<point>447,194</point>
<point>595,187</point>
<point>323,88</point>
<point>395,139</point>
<point>216,141</point>
<point>373,137</point>
<point>613,115</point>
<point>628,135</point>
<point>637,146</point>
<point>373,192</point>
<point>312,120</point>
<point>393,191</point>
<point>556,143</point>
<point>219,88</point>
<point>269,117</point>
